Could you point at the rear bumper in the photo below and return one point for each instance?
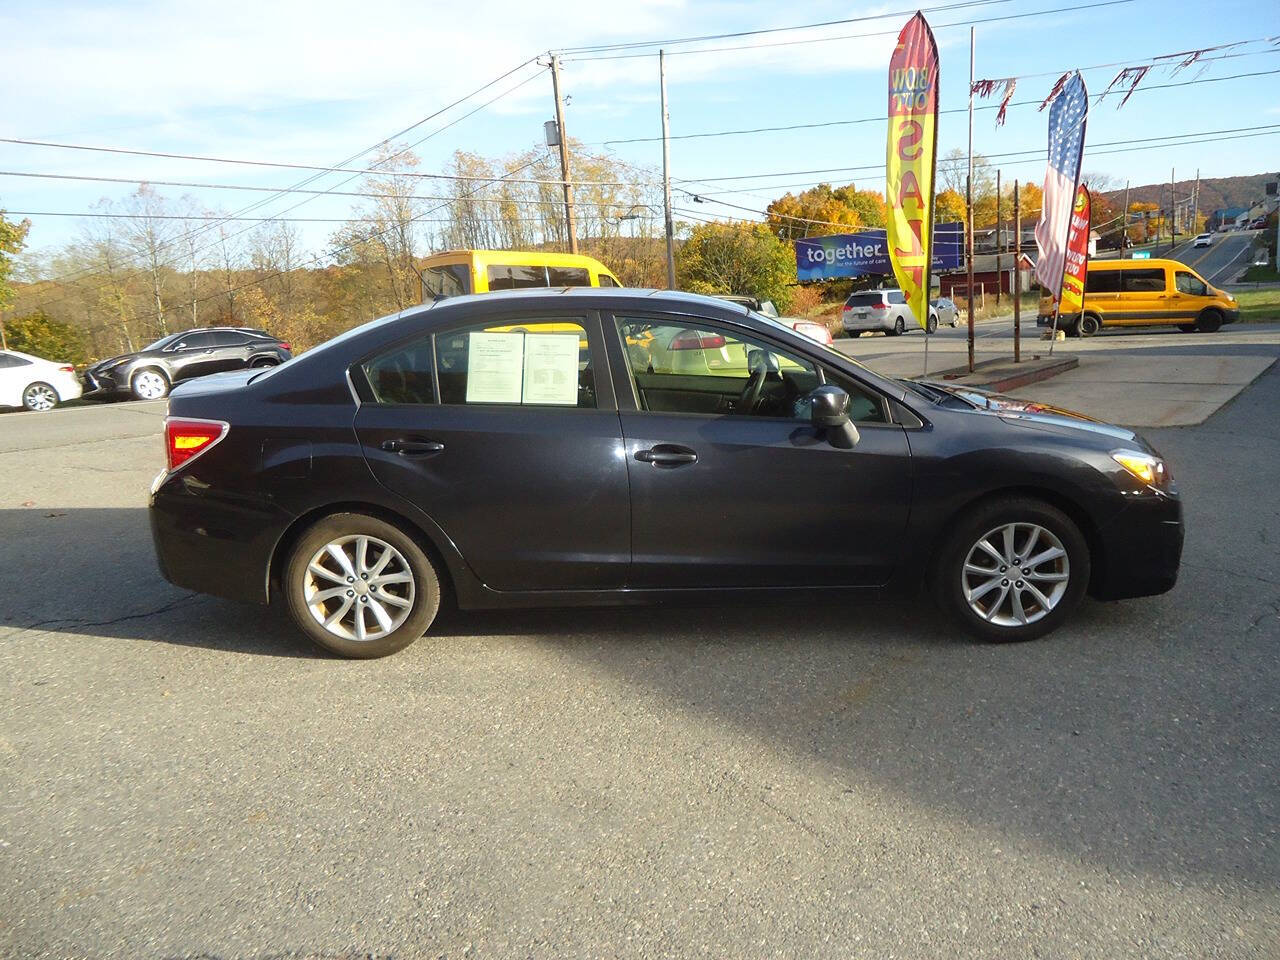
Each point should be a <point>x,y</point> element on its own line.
<point>863,324</point>
<point>1140,550</point>
<point>216,544</point>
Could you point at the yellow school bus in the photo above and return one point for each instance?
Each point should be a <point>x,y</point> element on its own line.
<point>457,272</point>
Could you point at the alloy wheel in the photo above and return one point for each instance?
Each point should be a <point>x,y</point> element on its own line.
<point>1015,574</point>
<point>40,397</point>
<point>359,588</point>
<point>149,385</point>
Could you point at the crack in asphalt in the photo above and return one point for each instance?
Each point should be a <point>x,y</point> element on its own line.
<point>66,621</point>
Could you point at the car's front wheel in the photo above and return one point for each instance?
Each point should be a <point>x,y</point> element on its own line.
<point>1012,570</point>
<point>360,587</point>
<point>39,397</point>
<point>149,385</point>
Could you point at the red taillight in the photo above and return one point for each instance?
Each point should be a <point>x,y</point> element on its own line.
<point>286,346</point>
<point>693,340</point>
<point>187,439</point>
<point>67,368</point>
<point>875,307</point>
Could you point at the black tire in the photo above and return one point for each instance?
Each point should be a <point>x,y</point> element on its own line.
<point>949,576</point>
<point>426,585</point>
<point>899,327</point>
<point>932,326</point>
<point>1088,325</point>
<point>1209,321</point>
<point>139,392</point>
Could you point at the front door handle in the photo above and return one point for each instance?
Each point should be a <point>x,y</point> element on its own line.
<point>667,455</point>
<point>412,448</point>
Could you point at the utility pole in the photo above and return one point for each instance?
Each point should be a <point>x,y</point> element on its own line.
<point>1171,210</point>
<point>666,174</point>
<point>1195,200</point>
<point>999,242</point>
<point>968,202</point>
<point>1017,276</point>
<point>1124,221</point>
<point>570,225</point>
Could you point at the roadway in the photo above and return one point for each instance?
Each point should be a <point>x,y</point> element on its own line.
<point>184,777</point>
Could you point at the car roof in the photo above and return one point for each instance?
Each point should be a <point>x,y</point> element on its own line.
<point>639,298</point>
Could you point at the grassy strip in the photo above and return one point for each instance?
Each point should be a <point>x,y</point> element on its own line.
<point>1258,305</point>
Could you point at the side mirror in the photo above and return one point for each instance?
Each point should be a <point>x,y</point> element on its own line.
<point>829,410</point>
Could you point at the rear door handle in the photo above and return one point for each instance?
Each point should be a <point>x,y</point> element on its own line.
<point>667,455</point>
<point>412,448</point>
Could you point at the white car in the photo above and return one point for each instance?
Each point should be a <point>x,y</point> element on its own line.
<point>1203,240</point>
<point>27,381</point>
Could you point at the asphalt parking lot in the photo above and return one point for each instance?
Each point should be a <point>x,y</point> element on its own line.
<point>185,777</point>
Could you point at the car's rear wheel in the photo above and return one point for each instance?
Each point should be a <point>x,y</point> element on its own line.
<point>1014,569</point>
<point>1209,322</point>
<point>39,397</point>
<point>360,587</point>
<point>149,385</point>
<point>899,327</point>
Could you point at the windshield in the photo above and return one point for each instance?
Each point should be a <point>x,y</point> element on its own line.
<point>162,342</point>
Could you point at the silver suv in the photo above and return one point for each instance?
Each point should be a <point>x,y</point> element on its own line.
<point>887,310</point>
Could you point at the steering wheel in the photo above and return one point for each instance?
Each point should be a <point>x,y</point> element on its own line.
<point>752,391</point>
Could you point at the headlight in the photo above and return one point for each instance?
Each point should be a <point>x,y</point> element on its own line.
<point>1147,468</point>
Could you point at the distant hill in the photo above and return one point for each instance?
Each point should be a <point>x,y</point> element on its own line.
<point>1215,194</point>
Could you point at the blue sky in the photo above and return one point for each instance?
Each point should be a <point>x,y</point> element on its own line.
<point>315,82</point>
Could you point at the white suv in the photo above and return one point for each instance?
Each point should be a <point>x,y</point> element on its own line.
<point>887,310</point>
<point>1203,240</point>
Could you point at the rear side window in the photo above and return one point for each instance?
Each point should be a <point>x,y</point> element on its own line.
<point>8,361</point>
<point>1142,281</point>
<point>568,277</point>
<point>447,280</point>
<point>404,375</point>
<point>607,281</point>
<point>503,277</point>
<point>542,362</point>
<point>1102,281</point>
<point>229,338</point>
<point>897,296</point>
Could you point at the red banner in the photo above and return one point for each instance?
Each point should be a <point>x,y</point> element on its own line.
<point>1077,262</point>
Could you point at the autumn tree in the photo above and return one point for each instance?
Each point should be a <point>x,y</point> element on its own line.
<point>13,237</point>
<point>741,258</point>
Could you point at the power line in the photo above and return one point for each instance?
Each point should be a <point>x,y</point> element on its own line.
<point>880,118</point>
<point>853,36</point>
<point>414,174</point>
<point>755,33</point>
<point>218,216</point>
<point>355,156</point>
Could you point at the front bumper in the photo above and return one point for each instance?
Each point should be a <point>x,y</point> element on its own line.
<point>1140,549</point>
<point>101,383</point>
<point>1231,316</point>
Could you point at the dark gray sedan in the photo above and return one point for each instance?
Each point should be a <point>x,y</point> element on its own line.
<point>585,446</point>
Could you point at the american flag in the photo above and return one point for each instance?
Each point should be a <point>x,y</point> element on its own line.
<point>1066,145</point>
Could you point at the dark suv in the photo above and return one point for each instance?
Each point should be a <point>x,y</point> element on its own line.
<point>149,373</point>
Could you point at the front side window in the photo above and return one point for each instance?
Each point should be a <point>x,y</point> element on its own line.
<point>503,277</point>
<point>195,341</point>
<point>678,367</point>
<point>1142,281</point>
<point>1191,284</point>
<point>542,362</point>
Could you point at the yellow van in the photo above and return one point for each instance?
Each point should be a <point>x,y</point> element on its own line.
<point>457,272</point>
<point>1142,293</point>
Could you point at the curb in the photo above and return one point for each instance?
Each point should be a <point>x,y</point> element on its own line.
<point>1033,376</point>
<point>1010,380</point>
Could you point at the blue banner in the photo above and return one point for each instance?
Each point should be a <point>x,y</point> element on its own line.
<point>855,254</point>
